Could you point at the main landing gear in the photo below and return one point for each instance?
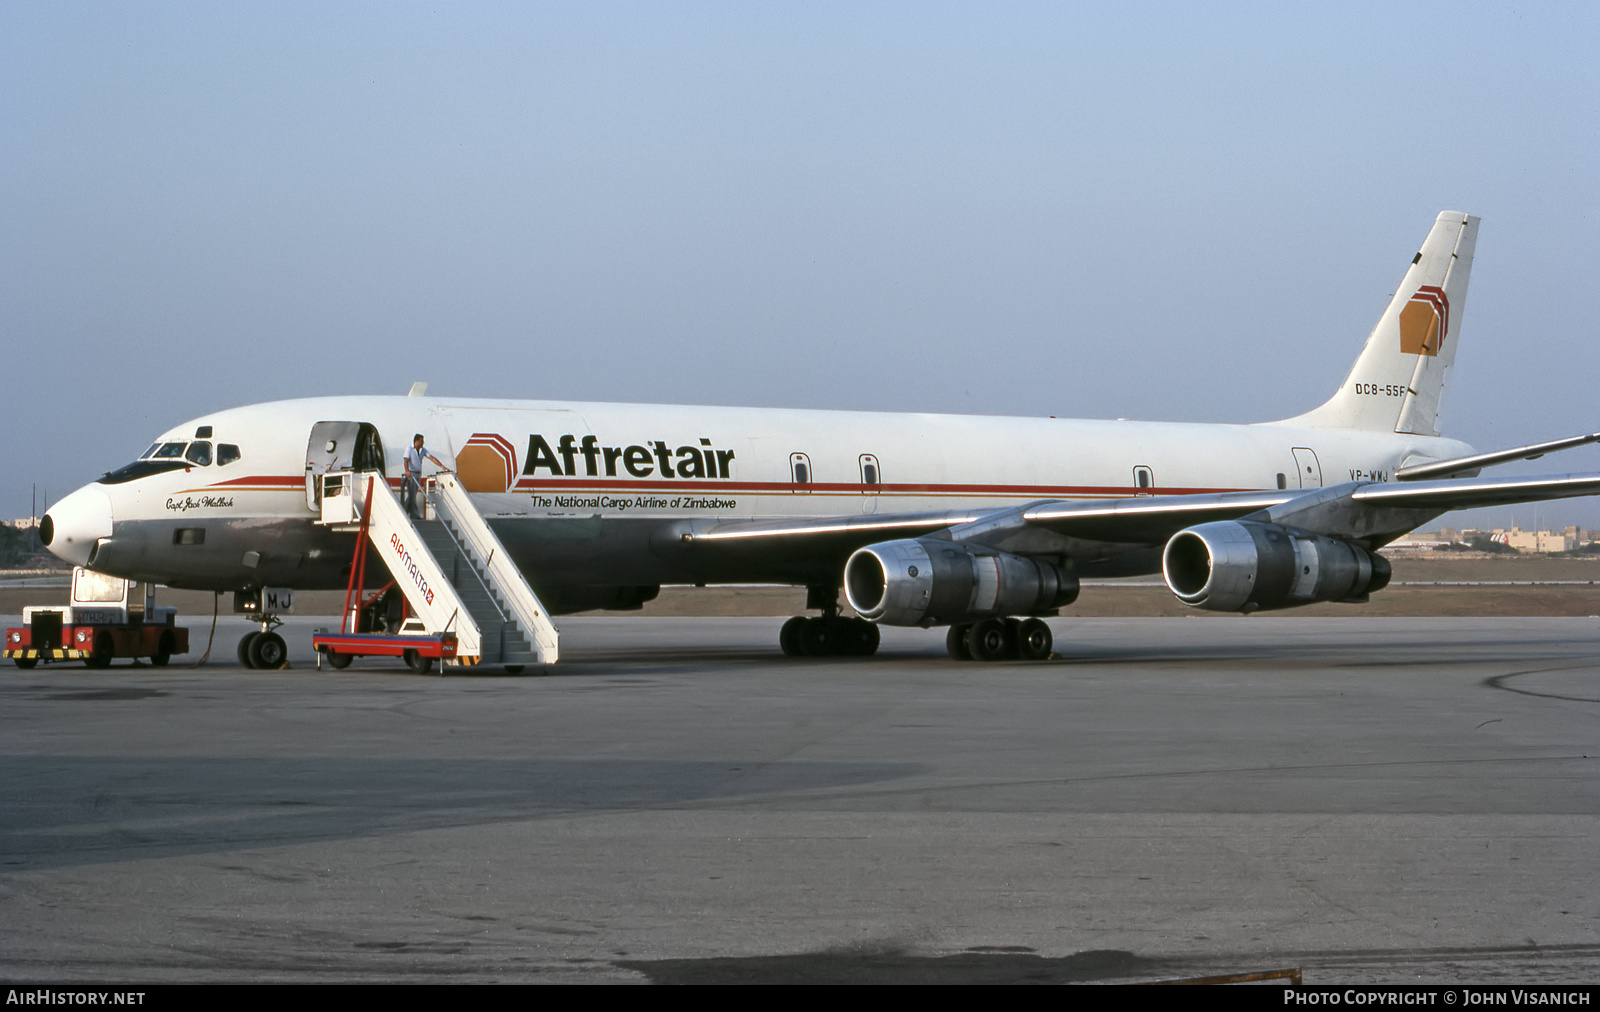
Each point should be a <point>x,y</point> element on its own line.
<point>265,649</point>
<point>1000,639</point>
<point>829,634</point>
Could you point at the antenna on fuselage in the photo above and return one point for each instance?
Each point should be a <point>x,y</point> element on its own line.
<point>418,389</point>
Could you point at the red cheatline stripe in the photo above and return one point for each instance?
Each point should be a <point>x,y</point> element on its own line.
<point>265,483</point>
<point>585,485</point>
<point>845,488</point>
<point>264,480</point>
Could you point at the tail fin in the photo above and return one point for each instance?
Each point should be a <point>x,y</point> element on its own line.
<point>1399,378</point>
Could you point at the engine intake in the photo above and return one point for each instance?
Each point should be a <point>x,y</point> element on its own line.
<point>929,582</point>
<point>1241,565</point>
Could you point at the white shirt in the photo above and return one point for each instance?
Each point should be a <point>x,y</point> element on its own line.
<point>414,457</point>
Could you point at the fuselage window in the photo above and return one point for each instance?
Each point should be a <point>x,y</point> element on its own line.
<point>1143,477</point>
<point>189,536</point>
<point>169,451</point>
<point>227,453</point>
<point>150,452</point>
<point>1283,480</point>
<point>199,453</point>
<point>800,468</point>
<point>869,469</point>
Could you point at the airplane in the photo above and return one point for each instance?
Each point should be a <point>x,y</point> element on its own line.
<point>982,525</point>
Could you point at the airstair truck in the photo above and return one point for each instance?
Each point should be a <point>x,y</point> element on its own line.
<point>106,617</point>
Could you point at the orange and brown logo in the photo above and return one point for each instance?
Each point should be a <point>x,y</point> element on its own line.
<point>488,463</point>
<point>1425,322</point>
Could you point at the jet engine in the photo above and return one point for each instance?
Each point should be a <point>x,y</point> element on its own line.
<point>930,582</point>
<point>1241,565</point>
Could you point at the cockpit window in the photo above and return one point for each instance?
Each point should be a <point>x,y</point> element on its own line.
<point>141,469</point>
<point>163,457</point>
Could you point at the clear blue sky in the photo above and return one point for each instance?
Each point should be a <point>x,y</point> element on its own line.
<point>1173,211</point>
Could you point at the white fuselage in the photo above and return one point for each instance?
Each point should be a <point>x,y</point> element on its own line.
<point>566,475</point>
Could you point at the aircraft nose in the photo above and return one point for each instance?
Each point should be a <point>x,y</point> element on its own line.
<point>73,525</point>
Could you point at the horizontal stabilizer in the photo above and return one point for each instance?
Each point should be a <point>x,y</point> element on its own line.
<point>1469,466</point>
<point>1471,493</point>
<point>1375,513</point>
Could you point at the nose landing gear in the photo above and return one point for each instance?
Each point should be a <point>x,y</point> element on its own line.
<point>265,649</point>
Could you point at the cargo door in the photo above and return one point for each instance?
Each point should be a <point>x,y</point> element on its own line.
<point>1306,464</point>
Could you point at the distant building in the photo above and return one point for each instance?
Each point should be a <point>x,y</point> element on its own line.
<point>1421,541</point>
<point>1537,541</point>
<point>1568,540</point>
<point>25,523</point>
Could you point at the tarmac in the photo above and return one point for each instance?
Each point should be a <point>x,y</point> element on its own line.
<point>1372,800</point>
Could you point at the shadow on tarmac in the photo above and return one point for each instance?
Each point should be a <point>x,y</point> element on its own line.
<point>73,810</point>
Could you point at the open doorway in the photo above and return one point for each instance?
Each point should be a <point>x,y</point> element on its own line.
<point>340,446</point>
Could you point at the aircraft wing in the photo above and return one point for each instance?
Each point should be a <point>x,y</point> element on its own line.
<point>1148,520</point>
<point>820,537</point>
<point>1376,511</point>
<point>1064,526</point>
<point>1373,512</point>
<point>1139,520</point>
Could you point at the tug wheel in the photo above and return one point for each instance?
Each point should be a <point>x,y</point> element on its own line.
<point>100,657</point>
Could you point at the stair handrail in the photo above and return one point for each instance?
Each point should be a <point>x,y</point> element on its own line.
<point>387,516</point>
<point>494,562</point>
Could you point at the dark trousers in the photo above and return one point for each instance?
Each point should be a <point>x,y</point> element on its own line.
<point>409,488</point>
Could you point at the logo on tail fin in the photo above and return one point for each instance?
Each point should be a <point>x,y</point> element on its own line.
<point>1425,322</point>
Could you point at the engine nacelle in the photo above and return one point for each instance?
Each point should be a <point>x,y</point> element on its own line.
<point>1241,565</point>
<point>930,582</point>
